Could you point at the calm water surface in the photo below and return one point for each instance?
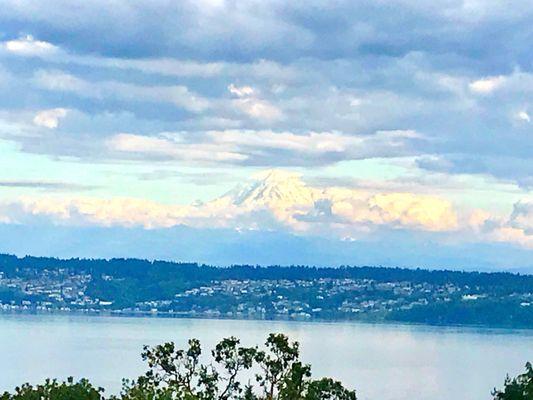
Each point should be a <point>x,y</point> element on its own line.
<point>383,362</point>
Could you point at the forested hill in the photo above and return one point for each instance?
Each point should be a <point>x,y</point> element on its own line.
<point>140,269</point>
<point>132,286</point>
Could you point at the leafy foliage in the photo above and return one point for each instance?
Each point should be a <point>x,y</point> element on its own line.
<point>519,388</point>
<point>176,374</point>
<point>53,390</point>
<point>180,374</point>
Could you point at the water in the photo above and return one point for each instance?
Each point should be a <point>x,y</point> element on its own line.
<point>383,362</point>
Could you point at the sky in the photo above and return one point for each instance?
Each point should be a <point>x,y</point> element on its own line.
<point>391,132</point>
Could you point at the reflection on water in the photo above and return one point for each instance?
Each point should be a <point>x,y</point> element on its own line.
<point>382,362</point>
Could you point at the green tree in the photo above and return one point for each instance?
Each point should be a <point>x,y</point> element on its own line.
<point>53,390</point>
<point>176,374</point>
<point>179,374</point>
<point>285,377</point>
<point>519,388</point>
<point>274,373</point>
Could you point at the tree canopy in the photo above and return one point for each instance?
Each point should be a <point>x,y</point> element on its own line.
<point>519,388</point>
<point>235,372</point>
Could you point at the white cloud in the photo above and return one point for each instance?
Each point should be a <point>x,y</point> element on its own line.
<point>487,85</point>
<point>523,116</point>
<point>515,229</point>
<point>274,198</point>
<point>28,46</point>
<point>355,101</point>
<point>277,199</point>
<point>178,95</point>
<point>49,118</point>
<point>163,66</point>
<point>61,81</point>
<point>262,69</point>
<point>91,211</point>
<point>509,234</point>
<point>241,91</point>
<point>170,148</point>
<point>259,109</point>
<point>261,147</point>
<point>311,143</point>
<point>400,210</point>
<point>250,104</point>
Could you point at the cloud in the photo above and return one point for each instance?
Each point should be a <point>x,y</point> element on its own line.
<point>261,147</point>
<point>523,116</point>
<point>279,200</point>
<point>49,118</point>
<point>515,229</point>
<point>515,168</point>
<point>283,31</point>
<point>400,209</point>
<point>507,86</point>
<point>167,148</point>
<point>178,95</point>
<point>205,178</point>
<point>257,108</point>
<point>90,211</point>
<point>162,66</point>
<point>272,199</point>
<point>522,216</point>
<point>487,85</point>
<point>28,46</point>
<point>437,105</point>
<point>242,91</point>
<point>45,185</point>
<point>512,235</point>
<point>250,104</point>
<point>165,66</point>
<point>416,91</point>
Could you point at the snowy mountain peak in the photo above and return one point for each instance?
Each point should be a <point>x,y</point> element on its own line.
<point>274,176</point>
<point>275,189</point>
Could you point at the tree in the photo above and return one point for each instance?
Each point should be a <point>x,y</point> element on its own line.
<point>274,373</point>
<point>176,374</point>
<point>519,388</point>
<point>53,390</point>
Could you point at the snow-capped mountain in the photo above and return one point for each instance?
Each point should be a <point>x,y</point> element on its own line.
<point>282,197</point>
<point>273,189</point>
<point>272,200</point>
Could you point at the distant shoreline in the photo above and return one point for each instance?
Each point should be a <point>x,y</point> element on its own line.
<point>141,288</point>
<point>162,315</point>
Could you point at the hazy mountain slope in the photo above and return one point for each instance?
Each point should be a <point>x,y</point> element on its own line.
<point>225,247</point>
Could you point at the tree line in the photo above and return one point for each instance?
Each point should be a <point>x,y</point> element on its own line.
<point>139,270</point>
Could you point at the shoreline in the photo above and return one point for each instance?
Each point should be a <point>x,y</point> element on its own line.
<point>191,316</point>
